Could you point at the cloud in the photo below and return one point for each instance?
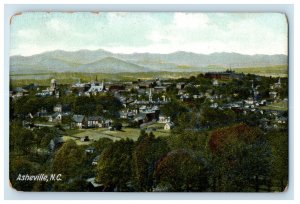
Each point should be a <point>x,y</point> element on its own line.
<point>150,32</point>
<point>190,21</point>
<point>27,34</point>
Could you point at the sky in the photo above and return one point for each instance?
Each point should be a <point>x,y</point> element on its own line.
<point>158,32</point>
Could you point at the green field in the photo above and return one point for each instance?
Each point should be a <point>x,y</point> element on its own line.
<point>277,71</point>
<point>96,134</point>
<point>281,106</point>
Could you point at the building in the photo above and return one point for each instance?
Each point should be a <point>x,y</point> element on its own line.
<point>58,108</point>
<point>180,85</point>
<point>96,88</point>
<point>95,160</point>
<point>53,85</point>
<point>278,84</point>
<point>78,121</point>
<point>56,117</point>
<point>223,75</point>
<point>55,143</point>
<point>164,119</point>
<point>273,94</point>
<point>90,150</point>
<point>215,82</point>
<point>92,121</point>
<point>169,126</point>
<point>50,91</point>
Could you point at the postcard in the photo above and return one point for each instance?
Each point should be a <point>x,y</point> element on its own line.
<point>148,102</point>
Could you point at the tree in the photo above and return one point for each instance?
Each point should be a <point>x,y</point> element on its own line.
<point>19,167</point>
<point>114,169</point>
<point>145,155</point>
<point>214,117</point>
<point>280,163</point>
<point>102,144</point>
<point>182,170</point>
<point>68,160</point>
<point>117,126</point>
<point>241,159</point>
<point>173,109</point>
<point>21,140</point>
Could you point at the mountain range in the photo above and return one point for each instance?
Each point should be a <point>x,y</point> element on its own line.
<point>108,62</point>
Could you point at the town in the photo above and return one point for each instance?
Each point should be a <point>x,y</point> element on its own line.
<point>99,112</point>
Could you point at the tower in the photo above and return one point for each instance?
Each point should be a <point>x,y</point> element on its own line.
<point>150,95</point>
<point>53,86</point>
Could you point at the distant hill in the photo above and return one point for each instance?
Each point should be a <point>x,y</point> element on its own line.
<point>107,62</point>
<point>110,65</point>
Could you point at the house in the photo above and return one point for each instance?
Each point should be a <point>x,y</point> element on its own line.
<point>56,117</point>
<point>55,143</point>
<point>27,124</point>
<point>92,121</point>
<point>282,120</point>
<point>164,119</point>
<point>273,94</point>
<point>78,120</point>
<point>180,85</point>
<point>181,92</point>
<point>249,101</point>
<point>45,93</point>
<point>169,126</point>
<point>95,160</point>
<point>126,114</point>
<point>90,150</point>
<point>61,108</point>
<point>57,108</point>
<point>141,118</point>
<point>215,82</point>
<point>42,113</point>
<point>18,93</point>
<point>214,105</point>
<point>185,97</point>
<point>106,123</point>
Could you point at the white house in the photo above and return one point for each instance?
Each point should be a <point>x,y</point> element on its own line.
<point>78,120</point>
<point>169,126</point>
<point>164,119</point>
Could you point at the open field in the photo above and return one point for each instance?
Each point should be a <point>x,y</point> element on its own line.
<point>280,106</point>
<point>279,70</point>
<point>96,134</point>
